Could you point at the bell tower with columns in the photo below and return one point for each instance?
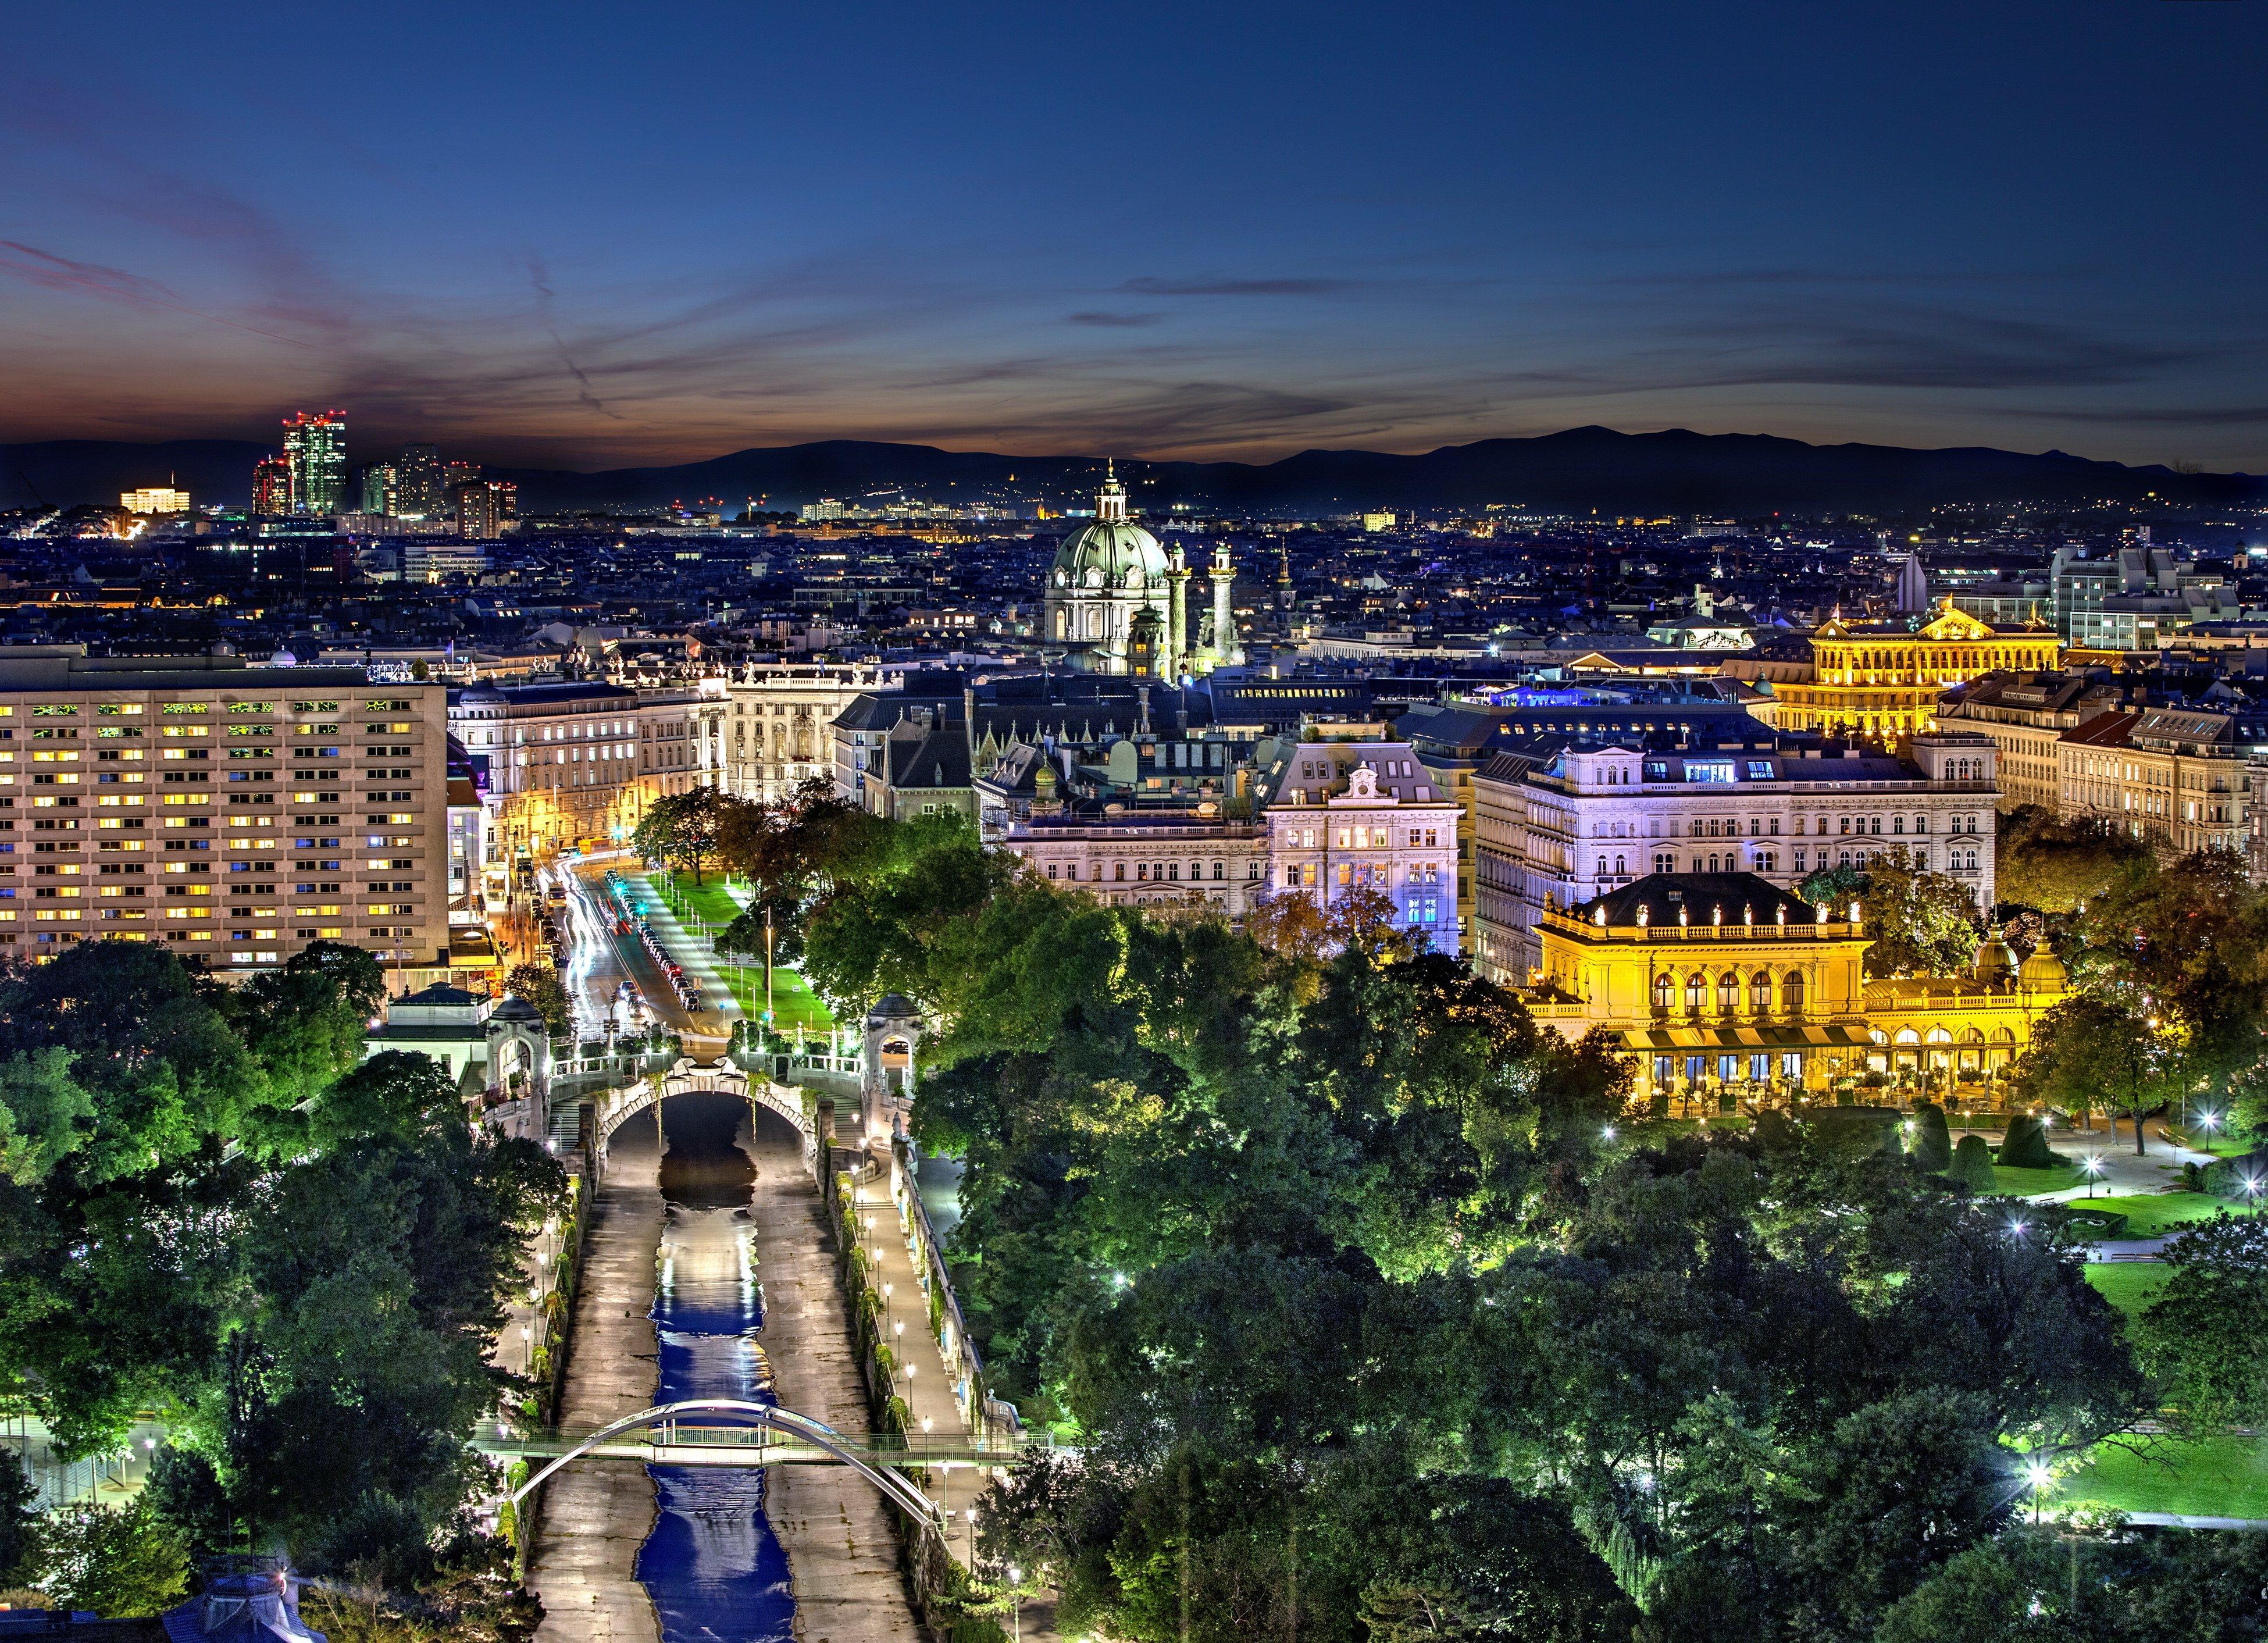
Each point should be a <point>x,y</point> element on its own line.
<point>1226,651</point>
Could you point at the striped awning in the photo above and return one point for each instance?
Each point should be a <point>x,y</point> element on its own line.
<point>1770,1035</point>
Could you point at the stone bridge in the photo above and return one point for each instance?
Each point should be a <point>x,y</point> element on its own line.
<point>606,1110</point>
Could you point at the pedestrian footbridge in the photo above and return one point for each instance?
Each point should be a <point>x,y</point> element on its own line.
<point>695,1432</point>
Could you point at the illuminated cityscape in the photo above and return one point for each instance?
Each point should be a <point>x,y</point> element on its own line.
<point>1173,827</point>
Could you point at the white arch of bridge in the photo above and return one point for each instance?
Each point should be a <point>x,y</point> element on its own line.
<point>898,1491</point>
<point>689,1077</point>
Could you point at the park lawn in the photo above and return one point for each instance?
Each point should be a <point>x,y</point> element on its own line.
<point>2208,1478</point>
<point>2219,1145</point>
<point>2154,1214</point>
<point>2129,1285</point>
<point>710,899</point>
<point>2024,1183</point>
<point>791,997</point>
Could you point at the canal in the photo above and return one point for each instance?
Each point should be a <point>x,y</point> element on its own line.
<point>712,1563</point>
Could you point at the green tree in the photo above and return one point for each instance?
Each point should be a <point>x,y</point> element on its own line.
<point>540,987</point>
<point>116,1561</point>
<point>304,1022</point>
<point>681,829</point>
<point>44,1112</point>
<point>396,1093</point>
<point>152,1047</point>
<point>2094,1050</point>
<point>1933,1142</point>
<point>2207,1335</point>
<point>19,1518</point>
<point>2054,864</point>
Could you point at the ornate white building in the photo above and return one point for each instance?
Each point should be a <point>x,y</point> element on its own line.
<point>1118,602</point>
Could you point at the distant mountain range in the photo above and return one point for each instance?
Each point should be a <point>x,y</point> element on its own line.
<point>1577,471</point>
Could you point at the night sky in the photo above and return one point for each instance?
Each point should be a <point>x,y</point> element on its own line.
<point>591,235</point>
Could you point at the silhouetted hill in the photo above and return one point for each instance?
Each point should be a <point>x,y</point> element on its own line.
<point>1676,472</point>
<point>64,473</point>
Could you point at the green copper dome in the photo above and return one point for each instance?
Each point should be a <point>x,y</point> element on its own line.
<point>1110,550</point>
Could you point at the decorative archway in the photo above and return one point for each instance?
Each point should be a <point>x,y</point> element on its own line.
<point>898,1491</point>
<point>690,1077</point>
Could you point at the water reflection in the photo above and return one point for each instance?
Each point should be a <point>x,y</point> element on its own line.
<point>714,1569</point>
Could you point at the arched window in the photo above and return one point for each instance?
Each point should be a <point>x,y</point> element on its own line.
<point>1760,992</point>
<point>1728,993</point>
<point>1665,993</point>
<point>1791,993</point>
<point>1695,985</point>
<point>1602,872</point>
<point>1621,871</point>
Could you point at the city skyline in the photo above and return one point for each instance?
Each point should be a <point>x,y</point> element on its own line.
<point>1166,234</point>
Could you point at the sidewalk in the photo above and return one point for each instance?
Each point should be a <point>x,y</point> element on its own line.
<point>930,1393</point>
<point>691,952</point>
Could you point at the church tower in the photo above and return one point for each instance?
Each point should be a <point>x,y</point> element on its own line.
<point>1226,651</point>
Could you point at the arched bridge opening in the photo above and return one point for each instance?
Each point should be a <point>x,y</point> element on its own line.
<point>611,1108</point>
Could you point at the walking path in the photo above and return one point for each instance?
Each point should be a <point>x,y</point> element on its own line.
<point>691,952</point>
<point>596,1514</point>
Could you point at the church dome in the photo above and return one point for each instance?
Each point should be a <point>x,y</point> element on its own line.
<point>1994,963</point>
<point>1109,550</point>
<point>2043,970</point>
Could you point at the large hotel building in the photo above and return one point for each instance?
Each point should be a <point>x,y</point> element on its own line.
<point>237,814</point>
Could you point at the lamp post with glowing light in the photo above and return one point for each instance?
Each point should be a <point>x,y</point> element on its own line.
<point>2039,1477</point>
<point>2092,1165</point>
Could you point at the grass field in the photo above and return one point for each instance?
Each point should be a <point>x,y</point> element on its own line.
<point>2153,1215</point>
<point>791,997</point>
<point>710,899</point>
<point>2024,1183</point>
<point>2129,1285</point>
<point>2213,1477</point>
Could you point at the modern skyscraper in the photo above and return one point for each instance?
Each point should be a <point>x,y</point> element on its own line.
<point>378,489</point>
<point>315,446</point>
<point>484,507</point>
<point>271,486</point>
<point>417,493</point>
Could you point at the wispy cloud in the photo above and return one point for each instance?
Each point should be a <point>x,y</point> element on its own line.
<point>545,305</point>
<point>1097,316</point>
<point>1153,285</point>
<point>51,272</point>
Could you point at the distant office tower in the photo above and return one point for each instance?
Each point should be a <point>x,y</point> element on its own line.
<point>456,474</point>
<point>378,490</point>
<point>271,486</point>
<point>417,492</point>
<point>484,507</point>
<point>155,499</point>
<point>315,446</point>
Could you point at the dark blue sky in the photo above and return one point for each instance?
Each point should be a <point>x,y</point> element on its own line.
<point>593,234</point>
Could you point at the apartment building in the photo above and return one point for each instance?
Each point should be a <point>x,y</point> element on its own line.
<point>1162,856</point>
<point>2173,777</point>
<point>776,730</point>
<point>567,760</point>
<point>1557,831</point>
<point>2026,716</point>
<point>1362,812</point>
<point>236,814</point>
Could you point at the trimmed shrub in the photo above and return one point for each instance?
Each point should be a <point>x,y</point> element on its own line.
<point>2025,1145</point>
<point>1972,1164</point>
<point>1933,1142</point>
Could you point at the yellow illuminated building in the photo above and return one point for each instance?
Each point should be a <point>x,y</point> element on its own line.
<point>1882,681</point>
<point>1726,990</point>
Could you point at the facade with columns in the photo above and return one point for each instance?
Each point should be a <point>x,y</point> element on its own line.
<point>1118,602</point>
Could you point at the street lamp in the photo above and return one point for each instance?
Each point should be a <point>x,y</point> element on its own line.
<point>2252,1185</point>
<point>2094,1167</point>
<point>2038,1477</point>
<point>1015,1579</point>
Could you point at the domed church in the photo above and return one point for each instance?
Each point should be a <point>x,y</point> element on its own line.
<point>1117,603</point>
